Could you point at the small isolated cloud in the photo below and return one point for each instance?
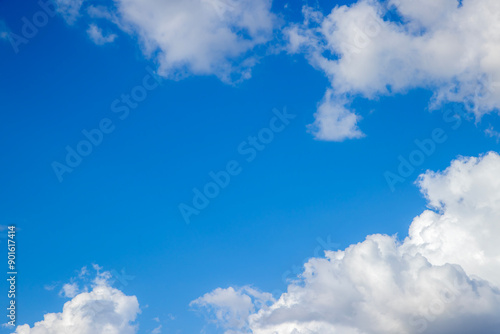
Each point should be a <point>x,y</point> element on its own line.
<point>96,35</point>
<point>69,290</point>
<point>443,278</point>
<point>157,330</point>
<point>492,133</point>
<point>69,9</point>
<point>334,121</point>
<point>50,287</point>
<point>373,48</point>
<point>102,310</point>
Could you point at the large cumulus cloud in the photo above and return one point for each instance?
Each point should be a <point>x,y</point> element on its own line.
<point>373,48</point>
<point>443,278</point>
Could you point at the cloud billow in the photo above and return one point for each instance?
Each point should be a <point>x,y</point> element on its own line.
<point>448,47</point>
<point>443,278</point>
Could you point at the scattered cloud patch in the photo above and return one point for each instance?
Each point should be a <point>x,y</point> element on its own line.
<point>69,9</point>
<point>156,330</point>
<point>187,37</point>
<point>492,133</point>
<point>96,35</point>
<point>69,290</point>
<point>448,48</point>
<point>443,278</point>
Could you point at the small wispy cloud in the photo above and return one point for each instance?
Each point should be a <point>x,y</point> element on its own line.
<point>98,37</point>
<point>69,9</point>
<point>492,133</point>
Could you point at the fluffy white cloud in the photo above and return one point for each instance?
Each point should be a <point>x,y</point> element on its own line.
<point>69,290</point>
<point>334,121</point>
<point>200,37</point>
<point>451,49</point>
<point>443,278</point>
<point>103,310</point>
<point>231,308</point>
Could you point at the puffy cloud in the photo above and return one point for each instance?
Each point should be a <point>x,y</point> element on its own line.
<point>69,290</point>
<point>334,121</point>
<point>231,308</point>
<point>103,310</point>
<point>96,35</point>
<point>440,45</point>
<point>443,278</point>
<point>200,37</point>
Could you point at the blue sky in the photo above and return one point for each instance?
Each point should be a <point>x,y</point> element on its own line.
<point>119,208</point>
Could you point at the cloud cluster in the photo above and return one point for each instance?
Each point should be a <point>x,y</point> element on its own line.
<point>443,278</point>
<point>369,49</point>
<point>103,310</point>
<point>199,37</point>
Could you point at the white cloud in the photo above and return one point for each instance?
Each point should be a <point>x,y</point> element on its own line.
<point>492,133</point>
<point>434,44</point>
<point>156,330</point>
<point>232,307</point>
<point>96,35</point>
<point>69,290</point>
<point>334,121</point>
<point>188,37</point>
<point>104,310</point>
<point>201,37</point>
<point>443,278</point>
<point>69,9</point>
